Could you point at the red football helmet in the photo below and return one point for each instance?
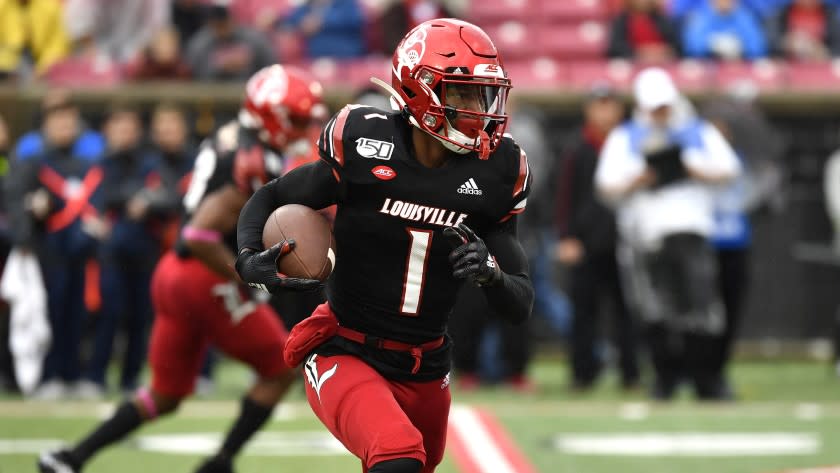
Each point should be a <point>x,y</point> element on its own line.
<point>281,102</point>
<point>450,78</point>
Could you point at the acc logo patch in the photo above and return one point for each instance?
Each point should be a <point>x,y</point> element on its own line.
<point>384,172</point>
<point>369,148</point>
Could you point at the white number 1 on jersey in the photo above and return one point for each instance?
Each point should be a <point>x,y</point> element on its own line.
<point>415,270</point>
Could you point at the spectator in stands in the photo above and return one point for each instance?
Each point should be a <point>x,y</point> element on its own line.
<point>63,236</point>
<point>34,26</point>
<point>187,18</point>
<point>723,29</point>
<point>118,29</point>
<point>759,149</point>
<point>659,169</point>
<point>587,244</point>
<point>805,30</point>
<point>330,28</point>
<point>131,200</point>
<point>171,140</point>
<point>536,225</point>
<point>89,144</point>
<point>403,15</point>
<point>643,33</point>
<point>223,50</point>
<point>160,60</point>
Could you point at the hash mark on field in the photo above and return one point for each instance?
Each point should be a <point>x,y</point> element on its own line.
<point>634,411</point>
<point>808,411</point>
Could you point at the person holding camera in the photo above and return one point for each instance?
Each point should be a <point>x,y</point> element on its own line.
<point>660,170</point>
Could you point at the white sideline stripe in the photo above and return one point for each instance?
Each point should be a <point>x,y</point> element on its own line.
<point>477,441</point>
<point>28,446</point>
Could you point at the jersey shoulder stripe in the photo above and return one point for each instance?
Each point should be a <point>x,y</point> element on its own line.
<point>330,143</point>
<point>524,176</point>
<point>519,177</point>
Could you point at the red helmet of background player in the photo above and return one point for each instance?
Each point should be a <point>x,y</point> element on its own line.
<point>450,79</point>
<point>281,102</point>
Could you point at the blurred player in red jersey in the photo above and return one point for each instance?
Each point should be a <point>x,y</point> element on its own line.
<point>427,197</point>
<point>197,295</point>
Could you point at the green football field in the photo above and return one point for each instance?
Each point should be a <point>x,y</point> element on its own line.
<point>787,418</point>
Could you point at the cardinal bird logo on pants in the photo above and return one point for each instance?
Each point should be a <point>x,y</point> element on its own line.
<point>312,374</point>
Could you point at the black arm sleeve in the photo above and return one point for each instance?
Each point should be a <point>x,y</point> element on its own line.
<point>21,180</point>
<point>312,185</point>
<point>513,297</point>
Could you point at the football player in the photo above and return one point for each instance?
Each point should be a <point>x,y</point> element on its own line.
<point>427,197</point>
<point>197,296</point>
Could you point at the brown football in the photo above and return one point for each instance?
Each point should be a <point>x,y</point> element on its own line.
<point>314,254</point>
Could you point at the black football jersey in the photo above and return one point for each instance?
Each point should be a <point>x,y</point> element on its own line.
<point>214,168</point>
<point>393,278</point>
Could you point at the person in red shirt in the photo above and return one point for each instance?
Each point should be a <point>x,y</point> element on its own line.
<point>642,32</point>
<point>806,30</point>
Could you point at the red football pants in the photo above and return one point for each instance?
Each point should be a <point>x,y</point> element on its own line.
<point>375,418</point>
<point>195,307</point>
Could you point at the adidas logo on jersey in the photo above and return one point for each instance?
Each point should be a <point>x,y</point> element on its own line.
<point>470,188</point>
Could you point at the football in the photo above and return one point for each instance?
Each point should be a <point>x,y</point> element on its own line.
<point>314,254</point>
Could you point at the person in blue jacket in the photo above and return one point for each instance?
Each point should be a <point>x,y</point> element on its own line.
<point>724,29</point>
<point>88,144</point>
<point>330,28</point>
<point>136,204</point>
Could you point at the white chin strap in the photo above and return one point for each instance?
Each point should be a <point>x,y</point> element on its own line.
<point>461,140</point>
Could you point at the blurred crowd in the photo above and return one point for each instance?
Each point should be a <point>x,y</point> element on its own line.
<point>800,30</point>
<point>99,42</point>
<point>106,41</point>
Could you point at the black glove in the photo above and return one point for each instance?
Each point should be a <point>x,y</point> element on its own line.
<point>471,258</point>
<point>259,269</point>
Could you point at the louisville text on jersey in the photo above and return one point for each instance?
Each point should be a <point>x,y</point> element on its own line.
<point>422,213</point>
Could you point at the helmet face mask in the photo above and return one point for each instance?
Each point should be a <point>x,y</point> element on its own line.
<point>451,79</point>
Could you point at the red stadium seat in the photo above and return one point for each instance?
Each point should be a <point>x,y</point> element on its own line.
<point>537,74</point>
<point>572,11</point>
<point>689,75</point>
<point>583,74</point>
<point>249,12</point>
<point>763,74</point>
<point>486,13</point>
<point>586,40</point>
<point>813,77</point>
<point>83,72</point>
<point>511,37</point>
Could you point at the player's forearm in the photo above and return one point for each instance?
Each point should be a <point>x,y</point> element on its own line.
<point>253,217</point>
<point>215,256</point>
<point>512,297</point>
